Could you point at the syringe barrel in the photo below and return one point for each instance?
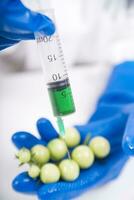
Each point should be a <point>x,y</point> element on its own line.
<point>55,70</point>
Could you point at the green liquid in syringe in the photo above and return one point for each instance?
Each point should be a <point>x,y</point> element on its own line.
<point>61,98</point>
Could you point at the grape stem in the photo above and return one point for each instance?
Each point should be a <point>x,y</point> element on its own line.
<point>68,154</point>
<point>86,141</point>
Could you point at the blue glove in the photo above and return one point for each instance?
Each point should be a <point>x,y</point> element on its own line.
<point>119,97</point>
<point>112,119</point>
<point>100,173</point>
<point>19,23</point>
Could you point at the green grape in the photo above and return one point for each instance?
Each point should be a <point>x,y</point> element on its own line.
<point>100,146</point>
<point>50,173</point>
<point>83,155</point>
<point>40,154</point>
<point>57,148</point>
<point>71,137</point>
<point>69,170</point>
<point>34,171</point>
<point>24,156</point>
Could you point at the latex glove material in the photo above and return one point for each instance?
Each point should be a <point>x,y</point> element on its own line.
<point>19,23</point>
<point>120,88</point>
<point>100,173</point>
<point>119,97</point>
<point>128,140</point>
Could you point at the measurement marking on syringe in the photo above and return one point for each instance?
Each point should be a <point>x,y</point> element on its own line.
<point>59,43</point>
<point>60,50</point>
<point>65,74</point>
<point>58,39</point>
<point>61,55</point>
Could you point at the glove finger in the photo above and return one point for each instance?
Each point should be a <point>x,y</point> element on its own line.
<point>103,112</point>
<point>4,47</point>
<point>23,21</point>
<point>101,172</point>
<point>128,139</point>
<point>25,139</point>
<point>23,183</point>
<point>46,129</point>
<point>108,128</point>
<point>121,99</point>
<point>17,37</point>
<point>4,41</point>
<point>122,78</point>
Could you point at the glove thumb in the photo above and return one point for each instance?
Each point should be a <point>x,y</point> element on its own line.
<point>128,138</point>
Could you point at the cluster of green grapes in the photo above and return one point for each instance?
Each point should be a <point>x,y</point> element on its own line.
<point>68,169</point>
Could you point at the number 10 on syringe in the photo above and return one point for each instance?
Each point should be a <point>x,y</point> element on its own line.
<point>56,74</point>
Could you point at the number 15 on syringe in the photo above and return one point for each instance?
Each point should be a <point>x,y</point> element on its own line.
<point>56,73</point>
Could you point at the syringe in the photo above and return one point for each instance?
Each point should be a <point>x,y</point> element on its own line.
<point>56,74</point>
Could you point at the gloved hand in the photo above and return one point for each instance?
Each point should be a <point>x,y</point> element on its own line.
<point>119,97</point>
<point>19,23</point>
<point>100,173</point>
<point>112,119</point>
